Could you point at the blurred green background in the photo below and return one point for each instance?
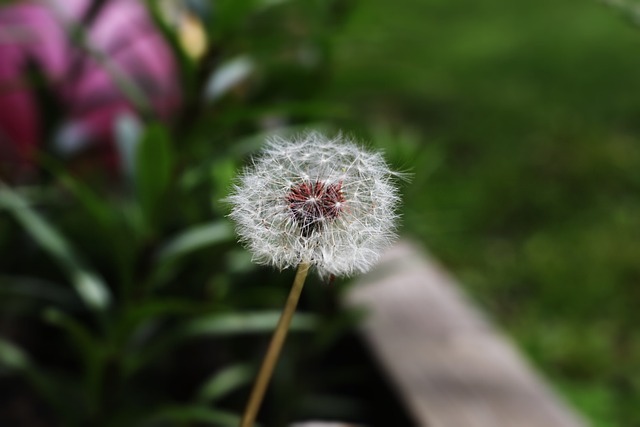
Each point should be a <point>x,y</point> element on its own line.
<point>519,123</point>
<point>527,180</point>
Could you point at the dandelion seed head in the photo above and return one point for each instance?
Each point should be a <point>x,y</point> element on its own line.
<point>314,199</point>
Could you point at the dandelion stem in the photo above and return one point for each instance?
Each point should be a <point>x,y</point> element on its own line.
<point>273,351</point>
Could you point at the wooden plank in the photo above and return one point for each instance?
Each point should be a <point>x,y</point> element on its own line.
<point>448,363</point>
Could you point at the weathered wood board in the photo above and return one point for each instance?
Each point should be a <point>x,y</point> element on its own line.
<point>449,364</point>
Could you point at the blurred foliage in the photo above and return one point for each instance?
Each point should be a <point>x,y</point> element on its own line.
<point>124,299</point>
<point>520,120</point>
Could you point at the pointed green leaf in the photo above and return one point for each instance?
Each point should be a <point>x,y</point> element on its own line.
<point>128,130</point>
<point>34,288</point>
<point>12,357</point>
<point>79,336</point>
<point>153,166</point>
<point>195,238</point>
<point>89,286</point>
<point>218,325</point>
<point>226,381</point>
<point>195,413</point>
<point>46,385</point>
<point>247,323</point>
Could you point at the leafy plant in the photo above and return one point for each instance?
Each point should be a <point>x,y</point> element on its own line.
<point>124,296</point>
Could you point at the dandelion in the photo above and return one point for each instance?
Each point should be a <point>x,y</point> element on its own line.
<point>326,202</point>
<point>312,202</point>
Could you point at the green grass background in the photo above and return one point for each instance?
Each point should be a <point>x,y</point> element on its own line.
<point>523,120</point>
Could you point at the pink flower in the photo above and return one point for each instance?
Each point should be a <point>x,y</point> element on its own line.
<point>38,34</point>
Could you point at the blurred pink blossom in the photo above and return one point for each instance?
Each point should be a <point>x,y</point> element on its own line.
<point>119,42</point>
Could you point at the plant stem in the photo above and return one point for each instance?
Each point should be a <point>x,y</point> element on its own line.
<point>273,351</point>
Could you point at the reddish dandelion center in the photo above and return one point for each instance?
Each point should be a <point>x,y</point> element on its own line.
<point>313,203</point>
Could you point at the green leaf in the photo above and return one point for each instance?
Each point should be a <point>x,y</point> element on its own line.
<point>153,166</point>
<point>34,288</point>
<point>12,356</point>
<point>226,381</point>
<point>128,129</point>
<point>195,413</point>
<point>95,207</point>
<point>217,325</point>
<point>15,359</point>
<point>196,238</point>
<point>247,323</point>
<point>91,351</point>
<point>138,330</point>
<point>185,243</point>
<point>80,337</point>
<point>227,76</point>
<point>159,307</point>
<point>88,285</point>
<point>134,326</point>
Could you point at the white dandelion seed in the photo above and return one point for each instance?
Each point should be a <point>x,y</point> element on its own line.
<point>326,202</point>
